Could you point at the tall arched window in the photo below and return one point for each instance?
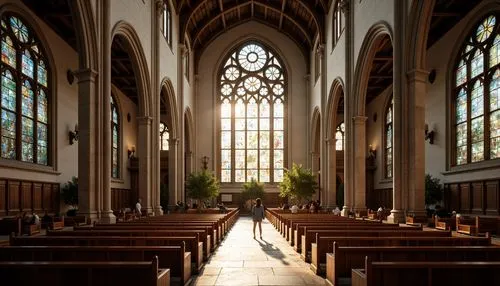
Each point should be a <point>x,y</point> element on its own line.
<point>339,137</point>
<point>252,113</point>
<point>477,96</point>
<point>115,144</point>
<point>24,94</point>
<point>164,136</point>
<point>388,135</point>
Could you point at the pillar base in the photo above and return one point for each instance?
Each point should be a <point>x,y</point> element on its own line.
<point>107,217</point>
<point>397,216</point>
<point>158,211</point>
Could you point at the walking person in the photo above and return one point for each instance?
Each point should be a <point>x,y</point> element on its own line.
<point>257,216</point>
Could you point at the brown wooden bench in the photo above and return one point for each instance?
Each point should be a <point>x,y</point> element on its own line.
<point>174,258</point>
<point>78,220</point>
<point>314,235</point>
<point>445,223</point>
<point>426,273</point>
<point>477,225</point>
<point>83,273</point>
<point>410,220</point>
<point>192,244</point>
<point>31,229</point>
<point>9,225</point>
<point>343,259</point>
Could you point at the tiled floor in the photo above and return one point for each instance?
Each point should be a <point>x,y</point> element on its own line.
<point>241,260</point>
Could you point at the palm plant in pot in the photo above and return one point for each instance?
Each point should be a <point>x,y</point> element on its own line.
<point>201,186</point>
<point>252,190</point>
<point>298,183</point>
<point>69,195</point>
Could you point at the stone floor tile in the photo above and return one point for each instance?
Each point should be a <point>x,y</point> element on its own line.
<point>281,280</point>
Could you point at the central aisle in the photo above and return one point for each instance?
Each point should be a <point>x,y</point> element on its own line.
<point>241,260</point>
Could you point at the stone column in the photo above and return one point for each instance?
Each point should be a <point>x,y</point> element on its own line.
<point>173,195</point>
<point>315,168</point>
<point>144,154</point>
<point>107,215</point>
<point>88,157</point>
<point>331,192</point>
<point>189,163</point>
<point>417,81</point>
<point>360,147</point>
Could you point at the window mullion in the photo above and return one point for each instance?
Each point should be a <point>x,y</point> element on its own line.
<point>19,85</point>
<point>271,139</point>
<point>233,143</point>
<point>486,106</point>
<point>35,112</point>
<point>469,113</point>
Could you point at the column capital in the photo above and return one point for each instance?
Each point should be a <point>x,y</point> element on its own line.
<point>144,120</point>
<point>417,75</point>
<point>359,120</point>
<point>159,7</point>
<point>173,141</point>
<point>85,75</point>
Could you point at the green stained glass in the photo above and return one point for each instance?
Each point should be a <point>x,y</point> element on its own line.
<point>388,136</point>
<point>484,30</point>
<point>461,109</point>
<point>226,139</point>
<point>477,99</point>
<point>264,158</point>
<point>495,148</point>
<point>495,52</point>
<point>42,106</point>
<point>27,64</point>
<point>27,100</point>
<point>278,140</point>
<point>495,91</point>
<point>4,25</point>
<point>477,64</point>
<point>461,134</point>
<point>461,155</point>
<point>252,139</point>
<point>19,29</point>
<point>225,176</point>
<point>27,152</point>
<point>495,124</point>
<point>8,52</point>
<point>239,139</point>
<point>477,151</point>
<point>461,73</point>
<point>42,74</point>
<point>42,144</point>
<point>264,139</point>
<point>8,91</point>
<point>240,159</point>
<point>477,129</point>
<point>27,127</point>
<point>226,159</point>
<point>8,123</point>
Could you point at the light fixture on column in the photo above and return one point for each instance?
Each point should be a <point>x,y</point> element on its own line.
<point>204,161</point>
<point>372,152</point>
<point>429,135</point>
<point>131,152</point>
<point>73,135</point>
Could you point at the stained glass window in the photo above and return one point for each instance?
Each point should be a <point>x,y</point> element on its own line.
<point>252,116</point>
<point>164,136</point>
<point>339,137</point>
<point>115,139</point>
<point>24,105</point>
<point>476,96</point>
<point>337,24</point>
<point>388,136</point>
<point>166,27</point>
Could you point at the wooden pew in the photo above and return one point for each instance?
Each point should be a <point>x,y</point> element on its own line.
<point>174,258</point>
<point>78,220</point>
<point>477,225</point>
<point>192,243</point>
<point>426,273</point>
<point>201,234</point>
<point>445,223</point>
<point>9,225</point>
<point>343,259</point>
<point>84,273</point>
<point>314,235</point>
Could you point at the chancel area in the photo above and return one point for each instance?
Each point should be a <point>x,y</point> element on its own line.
<point>137,135</point>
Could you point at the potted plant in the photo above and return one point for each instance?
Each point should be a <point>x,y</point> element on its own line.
<point>298,183</point>
<point>201,186</point>
<point>252,190</point>
<point>69,195</point>
<point>433,190</point>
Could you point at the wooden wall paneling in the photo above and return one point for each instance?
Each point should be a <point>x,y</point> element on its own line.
<point>37,197</point>
<point>454,197</point>
<point>465,197</point>
<point>47,197</point>
<point>3,197</point>
<point>56,197</point>
<point>492,197</point>
<point>26,196</point>
<point>14,204</point>
<point>477,196</point>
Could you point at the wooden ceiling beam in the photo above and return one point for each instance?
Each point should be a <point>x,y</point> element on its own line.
<point>283,5</point>
<point>252,7</point>
<point>221,8</point>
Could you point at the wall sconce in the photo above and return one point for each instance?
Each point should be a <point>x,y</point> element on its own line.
<point>372,152</point>
<point>131,152</point>
<point>73,135</point>
<point>429,135</point>
<point>204,161</point>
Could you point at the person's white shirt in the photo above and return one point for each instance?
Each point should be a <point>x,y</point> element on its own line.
<point>138,208</point>
<point>336,211</point>
<point>380,209</point>
<point>294,209</point>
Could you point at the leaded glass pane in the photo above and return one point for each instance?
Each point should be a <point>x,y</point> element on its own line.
<point>252,124</point>
<point>477,100</point>
<point>252,57</point>
<point>226,110</point>
<point>252,139</point>
<point>477,64</point>
<point>388,116</point>
<point>278,159</point>
<point>27,64</point>
<point>495,148</point>
<point>226,176</point>
<point>264,124</point>
<point>42,106</point>
<point>239,176</point>
<point>42,74</point>
<point>485,29</point>
<point>495,52</point>
<point>239,124</point>
<point>8,52</point>
<point>264,159</point>
<point>8,134</point>
<point>264,139</point>
<point>495,91</point>
<point>240,159</point>
<point>226,139</point>
<point>252,159</point>
<point>264,175</point>
<point>239,139</point>
<point>278,140</point>
<point>461,108</point>
<point>278,109</point>
<point>19,29</point>
<point>339,141</point>
<point>226,159</point>
<point>461,155</point>
<point>388,136</point>
<point>461,73</point>
<point>27,140</point>
<point>252,174</point>
<point>239,109</point>
<point>264,109</point>
<point>42,144</point>
<point>278,123</point>
<point>225,124</point>
<point>495,124</point>
<point>477,151</point>
<point>27,100</point>
<point>278,175</point>
<point>461,134</point>
<point>8,91</point>
<point>477,129</point>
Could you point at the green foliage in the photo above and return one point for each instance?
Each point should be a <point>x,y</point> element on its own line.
<point>69,192</point>
<point>164,196</point>
<point>433,190</point>
<point>202,185</point>
<point>252,190</point>
<point>340,195</point>
<point>298,183</point>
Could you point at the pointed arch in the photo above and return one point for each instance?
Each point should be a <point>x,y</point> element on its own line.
<point>139,64</point>
<point>418,30</point>
<point>167,94</point>
<point>364,64</point>
<point>334,97</point>
<point>86,33</point>
<point>189,123</point>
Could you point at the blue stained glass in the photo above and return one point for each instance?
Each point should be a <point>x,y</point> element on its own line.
<point>8,52</point>
<point>8,135</point>
<point>115,137</point>
<point>27,100</point>
<point>42,144</point>
<point>27,152</point>
<point>42,106</point>
<point>27,127</point>
<point>27,64</point>
<point>20,30</point>
<point>42,74</point>
<point>8,91</point>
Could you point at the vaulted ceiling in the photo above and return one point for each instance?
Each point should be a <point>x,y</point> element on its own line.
<point>203,20</point>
